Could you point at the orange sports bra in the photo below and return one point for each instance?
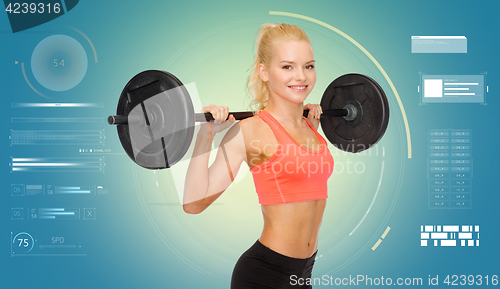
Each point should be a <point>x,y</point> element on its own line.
<point>293,173</point>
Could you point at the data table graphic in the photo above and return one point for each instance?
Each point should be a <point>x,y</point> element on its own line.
<point>450,169</point>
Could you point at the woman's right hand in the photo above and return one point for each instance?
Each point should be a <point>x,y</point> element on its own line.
<point>220,114</point>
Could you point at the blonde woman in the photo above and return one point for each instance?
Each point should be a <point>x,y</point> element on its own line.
<point>289,161</point>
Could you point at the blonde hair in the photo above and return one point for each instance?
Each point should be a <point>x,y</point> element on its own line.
<point>269,34</point>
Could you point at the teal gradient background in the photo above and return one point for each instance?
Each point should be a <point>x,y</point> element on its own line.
<point>142,238</point>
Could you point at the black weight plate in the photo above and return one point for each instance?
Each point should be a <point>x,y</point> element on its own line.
<point>170,115</point>
<point>368,127</point>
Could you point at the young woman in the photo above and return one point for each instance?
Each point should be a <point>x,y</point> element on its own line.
<point>289,161</point>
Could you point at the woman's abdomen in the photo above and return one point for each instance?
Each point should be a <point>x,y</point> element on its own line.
<point>292,229</point>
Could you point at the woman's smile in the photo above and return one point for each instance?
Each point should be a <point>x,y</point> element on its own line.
<point>298,88</point>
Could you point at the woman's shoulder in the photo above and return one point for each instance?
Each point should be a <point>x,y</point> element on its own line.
<point>252,125</point>
<point>256,131</point>
<point>249,128</point>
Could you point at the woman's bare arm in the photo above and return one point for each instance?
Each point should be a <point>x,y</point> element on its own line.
<point>204,185</point>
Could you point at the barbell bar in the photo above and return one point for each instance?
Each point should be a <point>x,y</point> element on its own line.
<point>205,117</point>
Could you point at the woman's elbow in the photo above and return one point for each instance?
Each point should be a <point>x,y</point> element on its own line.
<point>192,209</point>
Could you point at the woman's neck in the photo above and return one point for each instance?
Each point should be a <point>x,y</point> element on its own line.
<point>285,111</point>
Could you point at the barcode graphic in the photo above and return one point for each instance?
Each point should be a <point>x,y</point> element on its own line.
<point>449,235</point>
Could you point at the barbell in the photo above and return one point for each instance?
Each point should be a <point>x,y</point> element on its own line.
<point>155,117</point>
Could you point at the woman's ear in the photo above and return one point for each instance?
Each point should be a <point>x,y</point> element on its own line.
<point>263,72</point>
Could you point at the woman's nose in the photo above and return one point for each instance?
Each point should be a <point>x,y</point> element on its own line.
<point>300,75</point>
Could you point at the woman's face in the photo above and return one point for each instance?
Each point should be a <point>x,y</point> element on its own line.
<point>291,73</point>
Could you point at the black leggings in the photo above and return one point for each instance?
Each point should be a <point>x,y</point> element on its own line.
<point>261,267</point>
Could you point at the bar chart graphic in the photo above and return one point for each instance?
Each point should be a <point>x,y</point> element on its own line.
<point>58,164</point>
<point>54,213</point>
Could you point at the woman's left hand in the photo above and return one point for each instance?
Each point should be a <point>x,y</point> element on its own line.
<point>315,112</point>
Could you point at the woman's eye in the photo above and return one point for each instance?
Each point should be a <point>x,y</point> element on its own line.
<point>287,67</point>
<point>310,67</point>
